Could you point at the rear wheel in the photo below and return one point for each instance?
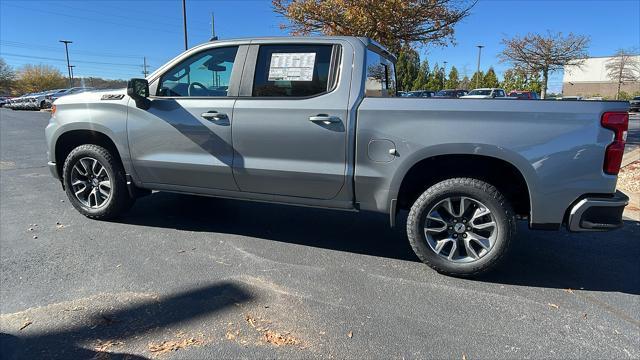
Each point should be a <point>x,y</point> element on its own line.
<point>461,226</point>
<point>95,182</point>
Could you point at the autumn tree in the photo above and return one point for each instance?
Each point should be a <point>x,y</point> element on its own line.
<point>393,23</point>
<point>453,82</point>
<point>33,78</point>
<point>422,80</point>
<point>490,79</point>
<point>545,54</point>
<point>407,68</point>
<point>623,67</point>
<point>7,78</point>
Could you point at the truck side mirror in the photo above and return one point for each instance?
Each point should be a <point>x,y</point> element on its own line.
<point>138,90</point>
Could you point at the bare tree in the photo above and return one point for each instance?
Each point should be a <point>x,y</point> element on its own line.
<point>545,54</point>
<point>393,23</point>
<point>623,67</point>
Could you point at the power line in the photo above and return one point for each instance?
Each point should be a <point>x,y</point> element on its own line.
<point>42,47</point>
<point>78,61</point>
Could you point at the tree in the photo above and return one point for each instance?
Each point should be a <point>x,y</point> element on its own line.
<point>393,23</point>
<point>453,82</point>
<point>623,67</point>
<point>7,78</point>
<point>436,80</point>
<point>490,79</point>
<point>407,67</point>
<point>513,80</point>
<point>477,80</point>
<point>465,84</point>
<point>545,54</point>
<point>422,80</point>
<point>33,78</point>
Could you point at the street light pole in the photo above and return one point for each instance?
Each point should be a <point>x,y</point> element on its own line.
<point>444,76</point>
<point>184,23</point>
<point>478,71</point>
<point>66,49</point>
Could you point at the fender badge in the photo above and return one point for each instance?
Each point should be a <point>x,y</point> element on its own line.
<point>112,97</point>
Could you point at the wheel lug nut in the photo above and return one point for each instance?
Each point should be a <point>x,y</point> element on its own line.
<point>455,220</point>
<point>455,236</point>
<point>450,227</point>
<point>464,220</point>
<point>464,235</point>
<point>468,229</point>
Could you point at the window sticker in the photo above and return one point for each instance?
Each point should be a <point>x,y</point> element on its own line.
<point>292,66</point>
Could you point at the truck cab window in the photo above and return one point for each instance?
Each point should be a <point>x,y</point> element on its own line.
<point>381,76</point>
<point>292,70</point>
<point>204,74</point>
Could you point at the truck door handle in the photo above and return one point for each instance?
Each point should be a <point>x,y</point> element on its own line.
<point>324,119</point>
<point>214,116</point>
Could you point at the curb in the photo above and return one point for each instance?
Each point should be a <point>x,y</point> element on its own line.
<point>630,157</point>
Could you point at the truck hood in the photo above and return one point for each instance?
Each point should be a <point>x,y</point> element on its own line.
<point>92,96</point>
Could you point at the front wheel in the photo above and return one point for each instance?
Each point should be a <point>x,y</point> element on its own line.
<point>461,227</point>
<point>95,182</point>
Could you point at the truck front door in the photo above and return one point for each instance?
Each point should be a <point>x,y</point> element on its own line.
<point>290,126</point>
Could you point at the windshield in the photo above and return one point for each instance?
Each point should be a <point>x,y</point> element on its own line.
<point>445,93</point>
<point>480,92</point>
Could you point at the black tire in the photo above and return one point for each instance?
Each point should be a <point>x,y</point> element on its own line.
<point>118,201</point>
<point>478,190</point>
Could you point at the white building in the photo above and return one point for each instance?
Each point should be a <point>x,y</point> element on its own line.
<point>591,79</point>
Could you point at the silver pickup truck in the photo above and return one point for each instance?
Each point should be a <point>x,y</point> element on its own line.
<point>316,122</point>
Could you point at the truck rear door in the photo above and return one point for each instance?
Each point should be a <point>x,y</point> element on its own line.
<point>289,129</point>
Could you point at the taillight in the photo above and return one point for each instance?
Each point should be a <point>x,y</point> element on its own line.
<point>53,110</point>
<point>618,122</point>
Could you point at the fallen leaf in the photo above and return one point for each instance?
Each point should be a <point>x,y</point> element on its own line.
<point>231,335</point>
<point>350,334</point>
<point>26,323</point>
<point>277,339</point>
<point>35,237</point>
<point>106,345</point>
<point>568,291</point>
<point>251,321</point>
<point>181,251</point>
<point>168,346</point>
<point>584,316</point>
<point>464,356</point>
<point>553,305</point>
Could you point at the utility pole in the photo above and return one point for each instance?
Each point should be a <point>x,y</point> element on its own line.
<point>478,71</point>
<point>184,23</point>
<point>144,67</point>
<point>71,68</point>
<point>66,49</point>
<point>213,29</point>
<point>444,76</point>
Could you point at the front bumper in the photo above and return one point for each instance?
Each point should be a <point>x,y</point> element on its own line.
<point>597,213</point>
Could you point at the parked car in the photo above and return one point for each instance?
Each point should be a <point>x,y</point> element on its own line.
<point>485,93</point>
<point>420,93</point>
<point>634,104</point>
<point>4,100</point>
<point>450,94</point>
<point>524,95</point>
<point>464,170</point>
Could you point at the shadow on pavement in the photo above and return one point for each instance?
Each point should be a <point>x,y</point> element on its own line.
<point>551,259</point>
<point>123,323</point>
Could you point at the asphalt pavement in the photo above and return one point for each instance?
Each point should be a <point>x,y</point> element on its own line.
<point>189,277</point>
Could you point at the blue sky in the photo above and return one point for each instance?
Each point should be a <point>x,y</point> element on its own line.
<point>110,38</point>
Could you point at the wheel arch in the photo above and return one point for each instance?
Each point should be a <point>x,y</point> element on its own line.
<point>69,140</point>
<point>509,178</point>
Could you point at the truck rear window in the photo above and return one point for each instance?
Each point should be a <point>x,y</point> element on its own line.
<point>381,76</point>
